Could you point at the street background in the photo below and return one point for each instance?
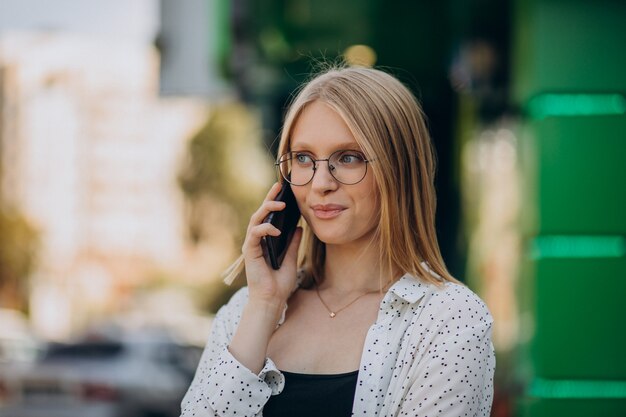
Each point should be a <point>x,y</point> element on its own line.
<point>136,138</point>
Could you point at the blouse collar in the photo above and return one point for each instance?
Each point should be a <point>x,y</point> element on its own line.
<point>409,288</point>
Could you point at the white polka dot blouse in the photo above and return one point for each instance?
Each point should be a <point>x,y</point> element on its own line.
<point>429,353</point>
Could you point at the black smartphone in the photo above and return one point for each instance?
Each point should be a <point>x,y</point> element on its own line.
<point>286,220</point>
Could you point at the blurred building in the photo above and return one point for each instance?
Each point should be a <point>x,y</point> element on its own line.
<point>90,154</point>
<point>191,41</point>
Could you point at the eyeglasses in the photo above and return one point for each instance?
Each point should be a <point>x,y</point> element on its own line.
<point>347,167</point>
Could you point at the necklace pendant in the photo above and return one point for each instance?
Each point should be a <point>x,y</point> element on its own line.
<point>332,314</point>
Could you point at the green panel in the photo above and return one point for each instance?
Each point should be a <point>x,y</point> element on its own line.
<point>574,173</point>
<point>572,408</point>
<point>563,105</point>
<point>579,306</point>
<point>577,388</point>
<point>571,246</point>
<point>569,45</point>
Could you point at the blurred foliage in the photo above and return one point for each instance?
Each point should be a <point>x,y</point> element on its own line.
<point>219,173</point>
<point>19,243</point>
<point>224,178</point>
<point>214,295</point>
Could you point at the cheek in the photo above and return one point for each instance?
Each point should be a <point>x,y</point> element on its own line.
<point>372,211</point>
<point>370,197</point>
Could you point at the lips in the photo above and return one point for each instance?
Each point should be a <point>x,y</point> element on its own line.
<point>327,211</point>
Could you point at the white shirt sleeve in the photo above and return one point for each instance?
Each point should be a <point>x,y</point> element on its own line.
<point>222,386</point>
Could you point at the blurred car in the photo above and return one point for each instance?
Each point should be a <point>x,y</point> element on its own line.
<point>136,375</point>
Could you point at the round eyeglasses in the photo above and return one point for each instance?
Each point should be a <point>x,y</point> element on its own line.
<point>347,167</point>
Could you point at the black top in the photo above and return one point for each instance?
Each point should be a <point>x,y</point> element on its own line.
<point>314,395</point>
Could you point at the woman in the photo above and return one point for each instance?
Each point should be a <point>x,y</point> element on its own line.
<point>375,325</point>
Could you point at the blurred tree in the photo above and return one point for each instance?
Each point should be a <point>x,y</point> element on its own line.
<point>224,178</point>
<point>19,242</point>
<point>222,171</point>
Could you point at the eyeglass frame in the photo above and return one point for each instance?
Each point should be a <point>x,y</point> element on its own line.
<point>314,169</point>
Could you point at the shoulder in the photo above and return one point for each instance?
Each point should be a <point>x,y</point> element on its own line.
<point>452,295</point>
<point>444,304</point>
<point>445,295</point>
<point>456,306</point>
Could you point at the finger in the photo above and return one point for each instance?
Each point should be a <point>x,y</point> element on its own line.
<point>261,213</point>
<point>252,244</point>
<point>273,192</point>
<point>264,210</point>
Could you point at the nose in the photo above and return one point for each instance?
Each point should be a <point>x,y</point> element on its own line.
<point>323,181</point>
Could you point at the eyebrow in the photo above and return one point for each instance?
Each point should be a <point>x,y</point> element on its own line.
<point>346,146</point>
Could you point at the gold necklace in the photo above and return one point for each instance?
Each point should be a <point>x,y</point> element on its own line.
<point>332,313</point>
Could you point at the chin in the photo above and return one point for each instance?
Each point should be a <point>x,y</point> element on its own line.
<point>331,237</point>
<point>333,240</point>
<point>337,235</point>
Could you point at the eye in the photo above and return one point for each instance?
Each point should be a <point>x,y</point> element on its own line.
<point>302,159</point>
<point>350,158</point>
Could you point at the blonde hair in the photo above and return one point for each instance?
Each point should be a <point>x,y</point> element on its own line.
<point>388,124</point>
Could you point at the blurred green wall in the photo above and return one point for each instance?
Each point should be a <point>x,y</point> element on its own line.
<point>569,76</point>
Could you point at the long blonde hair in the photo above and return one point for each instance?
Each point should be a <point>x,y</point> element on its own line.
<point>388,124</point>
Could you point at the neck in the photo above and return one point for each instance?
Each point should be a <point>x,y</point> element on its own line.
<point>355,269</point>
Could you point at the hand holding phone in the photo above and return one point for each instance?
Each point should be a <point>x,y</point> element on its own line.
<point>286,220</point>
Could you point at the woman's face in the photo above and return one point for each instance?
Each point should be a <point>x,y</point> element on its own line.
<point>337,213</point>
